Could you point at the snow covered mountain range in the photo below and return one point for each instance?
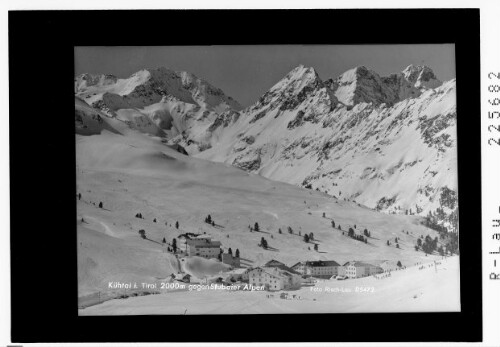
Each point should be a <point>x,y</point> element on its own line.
<point>387,142</point>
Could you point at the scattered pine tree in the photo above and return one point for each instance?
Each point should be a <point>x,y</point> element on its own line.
<point>177,225</point>
<point>350,233</point>
<point>263,243</point>
<point>174,245</point>
<point>142,232</point>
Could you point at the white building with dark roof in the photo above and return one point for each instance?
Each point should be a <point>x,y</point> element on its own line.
<point>274,278</point>
<point>318,268</point>
<point>356,269</point>
<point>205,248</point>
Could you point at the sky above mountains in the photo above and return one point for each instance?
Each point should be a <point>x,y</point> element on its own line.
<point>246,72</point>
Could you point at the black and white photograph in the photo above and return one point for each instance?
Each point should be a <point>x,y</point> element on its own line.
<point>266,179</point>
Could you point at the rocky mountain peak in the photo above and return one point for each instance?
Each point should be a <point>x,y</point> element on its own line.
<point>421,76</point>
<point>361,85</point>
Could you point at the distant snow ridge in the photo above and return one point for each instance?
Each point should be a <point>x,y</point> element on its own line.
<point>161,102</point>
<point>147,87</point>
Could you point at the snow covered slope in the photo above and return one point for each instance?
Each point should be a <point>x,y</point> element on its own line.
<point>386,142</point>
<point>89,121</point>
<point>136,173</point>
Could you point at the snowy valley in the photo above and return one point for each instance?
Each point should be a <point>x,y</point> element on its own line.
<point>366,163</point>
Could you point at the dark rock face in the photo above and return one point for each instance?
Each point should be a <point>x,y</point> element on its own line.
<point>179,149</point>
<point>384,203</point>
<point>224,119</point>
<point>248,165</point>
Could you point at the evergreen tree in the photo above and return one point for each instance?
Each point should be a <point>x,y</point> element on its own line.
<point>256,227</point>
<point>237,254</point>
<point>300,234</point>
<point>316,247</point>
<point>279,230</point>
<point>350,233</point>
<point>324,215</point>
<point>176,225</point>
<point>142,232</point>
<point>154,220</point>
<point>213,223</point>
<point>388,243</point>
<point>311,236</point>
<point>397,245</point>
<point>263,243</point>
<point>290,230</point>
<point>164,241</point>
<point>399,264</point>
<point>354,226</point>
<point>306,238</point>
<point>230,251</point>
<point>416,248</point>
<point>333,224</point>
<point>100,204</point>
<point>340,228</point>
<point>209,219</point>
<point>174,245</point>
<point>419,242</point>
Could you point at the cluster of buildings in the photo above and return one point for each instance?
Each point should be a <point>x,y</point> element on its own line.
<point>329,268</point>
<point>275,275</point>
